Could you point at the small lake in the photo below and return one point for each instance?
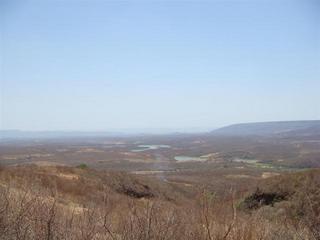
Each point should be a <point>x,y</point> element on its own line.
<point>142,148</point>
<point>188,158</point>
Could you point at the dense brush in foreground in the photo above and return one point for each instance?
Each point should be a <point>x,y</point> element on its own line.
<point>70,203</point>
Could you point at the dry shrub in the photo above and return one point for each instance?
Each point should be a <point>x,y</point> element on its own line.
<point>51,211</point>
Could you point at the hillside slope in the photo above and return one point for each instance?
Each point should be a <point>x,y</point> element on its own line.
<point>71,203</point>
<point>284,128</point>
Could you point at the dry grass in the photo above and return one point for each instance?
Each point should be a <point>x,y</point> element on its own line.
<point>42,203</point>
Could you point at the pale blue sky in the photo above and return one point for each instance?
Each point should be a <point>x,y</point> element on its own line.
<point>108,65</point>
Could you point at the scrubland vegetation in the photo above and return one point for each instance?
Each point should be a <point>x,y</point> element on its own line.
<point>76,203</point>
<point>244,187</point>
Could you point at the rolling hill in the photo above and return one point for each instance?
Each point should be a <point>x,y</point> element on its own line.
<point>284,128</point>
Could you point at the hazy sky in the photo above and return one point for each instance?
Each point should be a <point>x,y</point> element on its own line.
<point>105,65</point>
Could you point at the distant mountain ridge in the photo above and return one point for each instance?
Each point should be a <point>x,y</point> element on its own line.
<point>281,128</point>
<point>18,134</point>
<point>306,127</point>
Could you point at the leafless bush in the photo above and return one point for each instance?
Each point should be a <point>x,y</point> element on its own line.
<point>36,212</point>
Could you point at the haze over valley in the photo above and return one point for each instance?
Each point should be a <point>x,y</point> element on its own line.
<point>159,120</point>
